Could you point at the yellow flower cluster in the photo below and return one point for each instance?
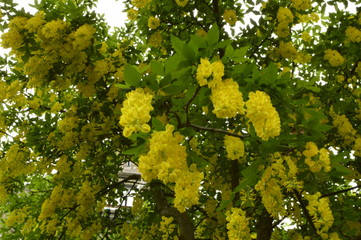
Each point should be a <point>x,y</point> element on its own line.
<point>167,228</point>
<point>285,17</point>
<point>135,112</point>
<point>316,159</point>
<point>306,36</point>
<point>301,4</point>
<point>334,57</point>
<point>132,14</point>
<point>234,147</point>
<point>81,38</point>
<point>206,69</point>
<point>227,99</point>
<point>34,23</point>
<point>167,161</point>
<point>153,22</point>
<point>287,50</point>
<point>140,3</point>
<point>320,210</point>
<point>55,29</point>
<point>263,115</point>
<point>344,128</point>
<point>273,178</point>
<point>181,3</point>
<point>13,38</point>
<point>353,34</point>
<point>230,17</point>
<point>156,39</point>
<point>237,225</point>
<point>86,200</point>
<point>18,216</point>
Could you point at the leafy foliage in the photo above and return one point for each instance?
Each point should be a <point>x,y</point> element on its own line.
<point>236,128</point>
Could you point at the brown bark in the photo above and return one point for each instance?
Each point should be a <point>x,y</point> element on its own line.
<point>264,226</point>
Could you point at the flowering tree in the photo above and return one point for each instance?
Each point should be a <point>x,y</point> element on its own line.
<point>237,124</point>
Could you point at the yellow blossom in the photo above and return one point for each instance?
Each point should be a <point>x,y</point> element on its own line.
<point>353,34</point>
<point>334,57</point>
<point>230,17</point>
<point>234,147</point>
<point>237,225</point>
<point>227,99</point>
<point>156,39</point>
<point>181,3</point>
<point>135,112</point>
<point>306,36</point>
<point>132,14</point>
<point>153,22</point>
<point>284,15</point>
<point>301,4</point>
<point>263,115</point>
<point>287,50</point>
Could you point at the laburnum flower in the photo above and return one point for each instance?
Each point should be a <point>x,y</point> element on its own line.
<point>353,34</point>
<point>316,159</point>
<point>320,210</point>
<point>284,15</point>
<point>301,4</point>
<point>167,161</point>
<point>234,147</point>
<point>306,36</point>
<point>181,3</point>
<point>237,225</point>
<point>334,57</point>
<point>204,71</point>
<point>227,99</point>
<point>153,22</point>
<point>156,39</point>
<point>132,14</point>
<point>344,128</point>
<point>287,50</point>
<point>230,17</point>
<point>135,112</point>
<point>263,115</point>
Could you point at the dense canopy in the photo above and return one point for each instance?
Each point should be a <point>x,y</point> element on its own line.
<point>242,117</point>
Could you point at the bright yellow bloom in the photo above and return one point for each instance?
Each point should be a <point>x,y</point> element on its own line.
<point>306,36</point>
<point>301,4</point>
<point>334,57</point>
<point>316,159</point>
<point>34,23</point>
<point>287,50</point>
<point>353,34</point>
<point>153,22</point>
<point>344,128</point>
<point>181,3</point>
<point>230,17</point>
<point>237,225</point>
<point>263,115</point>
<point>135,112</point>
<point>282,30</point>
<point>227,99</point>
<point>132,14</point>
<point>234,147</point>
<point>156,39</point>
<point>204,71</point>
<point>320,210</point>
<point>140,3</point>
<point>284,15</point>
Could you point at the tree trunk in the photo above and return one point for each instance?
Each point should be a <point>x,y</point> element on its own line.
<point>264,226</point>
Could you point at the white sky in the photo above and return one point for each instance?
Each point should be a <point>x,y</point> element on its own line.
<point>111,9</point>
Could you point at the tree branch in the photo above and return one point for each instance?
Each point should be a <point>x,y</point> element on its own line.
<point>341,191</point>
<point>303,206</point>
<point>116,184</point>
<point>217,130</point>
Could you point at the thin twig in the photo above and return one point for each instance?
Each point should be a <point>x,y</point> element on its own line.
<point>341,191</point>
<point>217,130</point>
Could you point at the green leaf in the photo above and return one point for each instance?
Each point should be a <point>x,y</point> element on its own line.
<point>174,88</point>
<point>157,67</point>
<point>239,54</point>
<point>172,63</point>
<point>157,125</point>
<point>132,75</point>
<point>213,35</point>
<point>269,75</point>
<point>136,150</point>
<point>177,44</point>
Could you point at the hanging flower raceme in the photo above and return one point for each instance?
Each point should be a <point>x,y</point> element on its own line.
<point>316,159</point>
<point>301,4</point>
<point>135,112</point>
<point>334,57</point>
<point>237,225</point>
<point>263,115</point>
<point>227,99</point>
<point>230,17</point>
<point>234,147</point>
<point>167,161</point>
